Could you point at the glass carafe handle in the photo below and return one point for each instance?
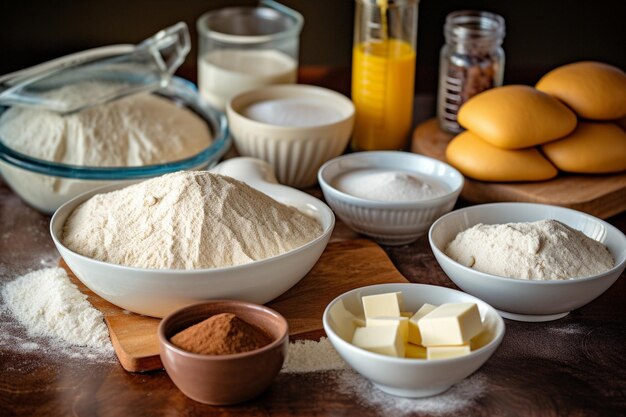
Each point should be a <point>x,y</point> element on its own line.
<point>126,69</point>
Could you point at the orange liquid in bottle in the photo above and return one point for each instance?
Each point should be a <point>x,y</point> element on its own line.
<point>383,76</point>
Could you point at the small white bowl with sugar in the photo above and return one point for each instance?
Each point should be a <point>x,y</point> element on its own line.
<point>527,299</point>
<point>295,128</point>
<point>391,196</point>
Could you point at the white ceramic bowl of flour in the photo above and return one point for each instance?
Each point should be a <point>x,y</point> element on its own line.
<point>157,292</point>
<point>412,377</point>
<point>370,208</point>
<point>296,128</point>
<point>521,299</point>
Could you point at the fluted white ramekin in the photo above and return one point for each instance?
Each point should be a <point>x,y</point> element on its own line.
<point>295,153</point>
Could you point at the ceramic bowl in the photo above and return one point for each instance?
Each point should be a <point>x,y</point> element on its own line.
<point>520,299</point>
<point>295,153</point>
<point>390,223</point>
<point>157,292</point>
<point>224,379</point>
<point>412,377</point>
<point>47,185</point>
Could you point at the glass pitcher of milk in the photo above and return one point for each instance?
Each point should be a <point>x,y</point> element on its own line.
<point>242,48</point>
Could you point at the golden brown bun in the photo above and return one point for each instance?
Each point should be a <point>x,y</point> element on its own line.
<point>593,148</point>
<point>516,117</point>
<point>593,90</point>
<point>479,159</point>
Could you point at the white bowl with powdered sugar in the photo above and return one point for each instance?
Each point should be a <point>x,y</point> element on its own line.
<point>392,197</point>
<point>532,296</point>
<point>157,292</point>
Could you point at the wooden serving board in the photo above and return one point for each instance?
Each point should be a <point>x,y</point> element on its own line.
<point>600,195</point>
<point>343,266</point>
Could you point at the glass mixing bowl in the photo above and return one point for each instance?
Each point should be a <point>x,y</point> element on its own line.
<point>36,181</point>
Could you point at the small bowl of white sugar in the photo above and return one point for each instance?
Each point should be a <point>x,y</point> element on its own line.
<point>390,196</point>
<point>295,128</point>
<point>532,262</point>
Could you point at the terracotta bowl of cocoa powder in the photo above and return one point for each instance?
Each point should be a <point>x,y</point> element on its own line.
<point>223,377</point>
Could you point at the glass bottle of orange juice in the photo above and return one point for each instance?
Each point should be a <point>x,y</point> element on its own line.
<point>383,73</point>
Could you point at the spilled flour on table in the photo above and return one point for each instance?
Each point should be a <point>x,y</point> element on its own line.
<point>305,356</point>
<point>311,356</point>
<point>54,316</point>
<point>452,402</point>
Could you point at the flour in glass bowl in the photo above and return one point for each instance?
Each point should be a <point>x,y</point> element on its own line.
<point>388,185</point>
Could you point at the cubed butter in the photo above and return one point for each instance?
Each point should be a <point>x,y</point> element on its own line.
<point>380,339</point>
<point>444,352</point>
<point>481,339</point>
<point>414,331</point>
<point>343,319</point>
<point>450,324</point>
<point>359,321</point>
<point>382,305</point>
<point>414,352</point>
<point>402,322</point>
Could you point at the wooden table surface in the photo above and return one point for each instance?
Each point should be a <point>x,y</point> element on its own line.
<point>571,367</point>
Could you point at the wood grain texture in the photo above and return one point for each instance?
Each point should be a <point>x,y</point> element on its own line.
<point>342,267</point>
<point>600,195</point>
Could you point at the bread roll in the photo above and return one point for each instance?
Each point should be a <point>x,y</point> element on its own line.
<point>593,148</point>
<point>593,90</point>
<point>516,117</point>
<point>480,160</point>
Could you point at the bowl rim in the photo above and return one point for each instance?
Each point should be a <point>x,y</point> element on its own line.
<point>178,88</point>
<point>494,343</point>
<point>81,198</point>
<point>302,91</point>
<point>296,18</point>
<point>484,275</point>
<point>218,358</point>
<point>397,205</point>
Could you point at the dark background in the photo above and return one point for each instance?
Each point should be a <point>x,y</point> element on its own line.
<point>540,34</point>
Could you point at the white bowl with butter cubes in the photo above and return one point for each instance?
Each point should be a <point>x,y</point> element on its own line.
<point>296,128</point>
<point>533,262</point>
<point>391,196</point>
<point>413,340</point>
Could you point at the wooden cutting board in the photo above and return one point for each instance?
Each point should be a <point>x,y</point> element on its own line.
<point>343,266</point>
<point>600,195</point>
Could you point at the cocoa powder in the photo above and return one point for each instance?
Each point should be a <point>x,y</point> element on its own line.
<point>221,334</point>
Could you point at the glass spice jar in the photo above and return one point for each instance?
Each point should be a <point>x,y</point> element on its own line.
<point>471,61</point>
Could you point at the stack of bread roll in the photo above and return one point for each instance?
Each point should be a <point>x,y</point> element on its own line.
<point>566,122</point>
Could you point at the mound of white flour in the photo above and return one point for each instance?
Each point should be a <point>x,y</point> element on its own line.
<point>542,250</point>
<point>48,304</point>
<point>186,220</point>
<point>142,129</point>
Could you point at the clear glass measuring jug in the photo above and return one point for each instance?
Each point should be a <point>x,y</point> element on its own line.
<point>242,48</point>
